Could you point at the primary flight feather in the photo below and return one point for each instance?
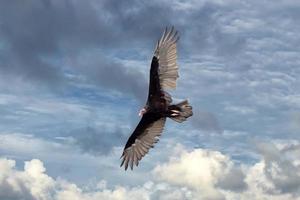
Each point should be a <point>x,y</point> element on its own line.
<point>163,75</point>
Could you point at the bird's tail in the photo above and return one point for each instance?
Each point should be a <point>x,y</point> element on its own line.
<point>180,112</point>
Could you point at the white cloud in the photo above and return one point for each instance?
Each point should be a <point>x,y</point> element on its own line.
<point>200,170</point>
<point>213,175</point>
<point>33,183</point>
<point>199,173</point>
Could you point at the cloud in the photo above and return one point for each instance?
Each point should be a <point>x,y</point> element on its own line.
<point>201,170</point>
<point>205,121</point>
<point>233,180</point>
<point>279,169</point>
<point>189,174</point>
<point>33,183</point>
<point>242,110</point>
<point>58,153</point>
<point>111,74</point>
<point>213,175</point>
<point>237,59</point>
<point>74,123</point>
<point>295,122</point>
<point>97,141</point>
<point>29,184</point>
<point>29,39</point>
<point>36,38</point>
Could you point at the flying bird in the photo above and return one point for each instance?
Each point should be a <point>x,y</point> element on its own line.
<point>163,76</point>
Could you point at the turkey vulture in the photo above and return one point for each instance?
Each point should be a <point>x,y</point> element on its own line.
<point>163,75</point>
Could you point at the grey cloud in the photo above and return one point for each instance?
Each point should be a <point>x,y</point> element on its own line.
<point>26,30</point>
<point>112,75</point>
<point>97,141</point>
<point>38,34</point>
<point>8,192</point>
<point>38,31</point>
<point>295,122</point>
<point>291,147</point>
<point>276,162</point>
<point>234,180</point>
<point>203,34</point>
<point>205,121</point>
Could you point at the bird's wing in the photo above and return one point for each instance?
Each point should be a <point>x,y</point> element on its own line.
<point>142,139</point>
<point>164,69</point>
<point>166,53</point>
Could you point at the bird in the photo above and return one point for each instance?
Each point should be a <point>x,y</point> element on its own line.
<point>163,76</point>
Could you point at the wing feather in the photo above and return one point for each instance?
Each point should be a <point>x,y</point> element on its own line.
<point>142,143</point>
<point>166,53</point>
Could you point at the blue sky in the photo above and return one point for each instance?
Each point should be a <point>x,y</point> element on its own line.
<point>74,74</point>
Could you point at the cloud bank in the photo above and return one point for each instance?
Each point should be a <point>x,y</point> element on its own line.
<point>189,174</point>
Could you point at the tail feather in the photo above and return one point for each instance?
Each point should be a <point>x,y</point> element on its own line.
<point>181,111</point>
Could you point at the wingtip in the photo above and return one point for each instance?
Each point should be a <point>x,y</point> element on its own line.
<point>122,162</point>
<point>122,155</point>
<point>172,29</point>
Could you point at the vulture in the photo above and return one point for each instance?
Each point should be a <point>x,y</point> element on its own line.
<point>163,76</point>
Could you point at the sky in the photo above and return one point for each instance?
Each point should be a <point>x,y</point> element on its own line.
<point>74,74</point>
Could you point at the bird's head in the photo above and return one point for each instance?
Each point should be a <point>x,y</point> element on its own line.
<point>143,111</point>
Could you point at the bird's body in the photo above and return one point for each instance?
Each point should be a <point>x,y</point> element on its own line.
<point>163,75</point>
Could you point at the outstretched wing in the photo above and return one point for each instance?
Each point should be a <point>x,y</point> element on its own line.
<point>166,53</point>
<point>164,69</point>
<point>142,139</point>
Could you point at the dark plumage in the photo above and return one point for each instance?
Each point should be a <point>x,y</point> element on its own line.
<point>163,75</point>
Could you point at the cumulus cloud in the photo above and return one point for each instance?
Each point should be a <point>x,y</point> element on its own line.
<point>189,174</point>
<point>61,156</point>
<point>282,171</point>
<point>30,184</point>
<point>33,183</point>
<point>202,170</point>
<point>213,175</point>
